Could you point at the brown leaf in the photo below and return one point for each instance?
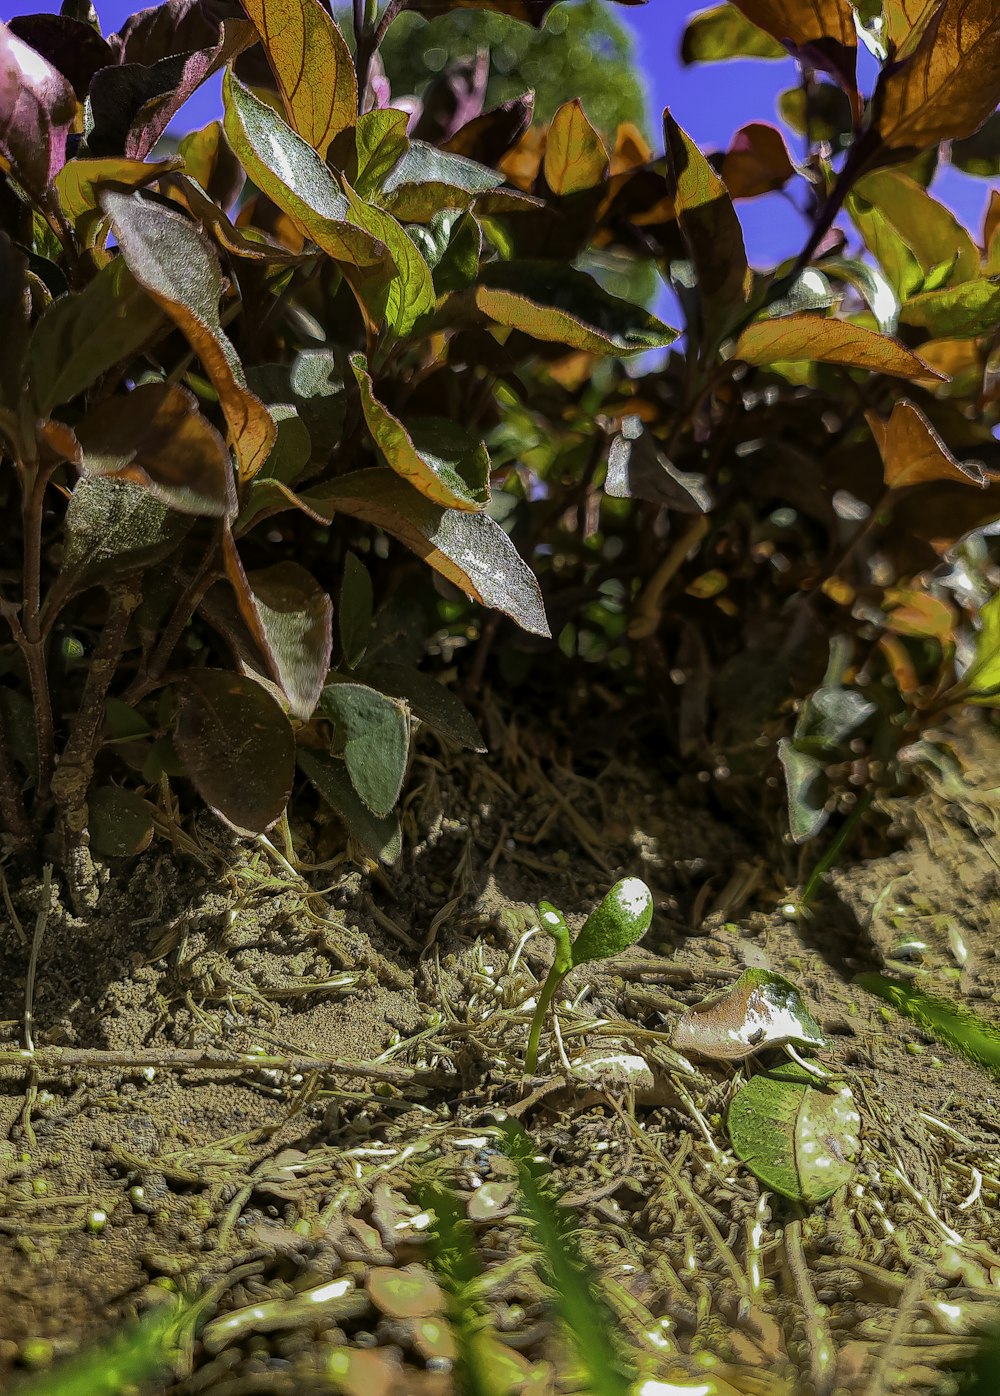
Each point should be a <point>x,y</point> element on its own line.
<point>711,232</point>
<point>756,162</point>
<point>798,338</point>
<point>913,453</point>
<point>948,86</point>
<point>821,31</point>
<point>157,438</point>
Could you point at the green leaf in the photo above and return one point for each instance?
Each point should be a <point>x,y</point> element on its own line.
<point>890,250</point>
<point>932,232</point>
<point>113,528</point>
<point>962,1029</point>
<point>380,838</point>
<point>424,180</point>
<point>80,336</point>
<point>292,175</point>
<point>236,747</point>
<point>458,264</point>
<point>557,304</point>
<point>711,231</point>
<point>313,65</point>
<point>470,550</point>
<point>979,154</point>
<point>798,338</point>
<point>797,1137</point>
<point>157,438</point>
<point>722,32</point>
<point>806,788</point>
<point>761,1010</point>
<point>354,614</point>
<point>172,261</point>
<point>981,680</point>
<point>623,917</point>
<point>960,312</point>
<point>407,293</point>
<point>380,139</point>
<point>80,182</point>
<point>831,715</point>
<point>294,627</point>
<point>869,282</point>
<point>575,157</point>
<point>429,701</point>
<point>120,822</point>
<point>438,457</point>
<point>374,733</point>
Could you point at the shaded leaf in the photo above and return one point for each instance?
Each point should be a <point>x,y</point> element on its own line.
<point>292,175</point>
<point>37,109</point>
<point>379,837</point>
<point>438,457</point>
<point>313,65</point>
<point>406,293</point>
<point>950,83</point>
<point>806,790</point>
<point>811,337</point>
<point>295,629</point>
<point>979,154</point>
<point>761,1010</point>
<point>623,917</point>
<point>236,747</point>
<point>120,822</point>
<point>113,529</point>
<point>470,550</point>
<point>820,32</point>
<point>80,336</point>
<point>711,232</point>
<point>157,438</point>
<point>913,453</point>
<point>561,305</point>
<point>373,732</point>
<point>424,180</point>
<point>429,701</point>
<point>133,104</point>
<point>958,312</point>
<point>354,613</point>
<point>170,258</point>
<point>829,716</point>
<point>313,385</point>
<point>15,315</point>
<point>756,162</point>
<point>72,46</point>
<point>488,137</point>
<point>575,157</point>
<point>800,1138</point>
<point>981,680</point>
<point>722,32</point>
<point>211,162</point>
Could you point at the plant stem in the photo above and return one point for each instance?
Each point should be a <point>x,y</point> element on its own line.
<point>555,977</point>
<point>28,632</point>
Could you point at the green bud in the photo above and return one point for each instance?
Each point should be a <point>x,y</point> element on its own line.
<point>622,918</point>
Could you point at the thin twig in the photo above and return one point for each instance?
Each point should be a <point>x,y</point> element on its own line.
<point>822,1354</point>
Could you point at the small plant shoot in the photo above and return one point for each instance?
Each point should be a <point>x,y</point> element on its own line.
<point>622,918</point>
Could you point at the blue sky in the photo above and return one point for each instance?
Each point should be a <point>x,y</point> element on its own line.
<point>710,101</point>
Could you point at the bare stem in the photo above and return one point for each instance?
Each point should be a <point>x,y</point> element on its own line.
<point>28,632</point>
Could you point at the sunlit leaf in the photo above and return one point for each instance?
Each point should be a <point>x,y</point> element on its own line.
<point>761,1010</point>
<point>973,1036</point>
<point>313,66</point>
<point>622,918</point>
<point>470,550</point>
<point>292,175</point>
<point>929,229</point>
<point>799,1137</point>
<point>379,837</point>
<point>438,457</point>
<point>958,312</point>
<point>380,140</point>
<point>559,304</point>
<point>711,232</point>
<point>406,293</point>
<point>914,454</point>
<point>373,733</point>
<point>820,32</point>
<point>291,618</point>
<point>172,261</point>
<point>79,182</point>
<point>37,109</point>
<point>575,157</point>
<point>948,86</point>
<point>157,438</point>
<point>236,747</point>
<point>811,337</point>
<point>423,181</point>
<point>722,32</point>
<point>981,680</point>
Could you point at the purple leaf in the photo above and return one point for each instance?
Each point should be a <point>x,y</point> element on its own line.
<point>75,48</point>
<point>37,108</point>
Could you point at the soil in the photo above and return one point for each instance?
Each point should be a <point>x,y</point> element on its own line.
<point>147,1154</point>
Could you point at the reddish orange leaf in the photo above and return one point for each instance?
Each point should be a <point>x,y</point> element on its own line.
<point>913,453</point>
